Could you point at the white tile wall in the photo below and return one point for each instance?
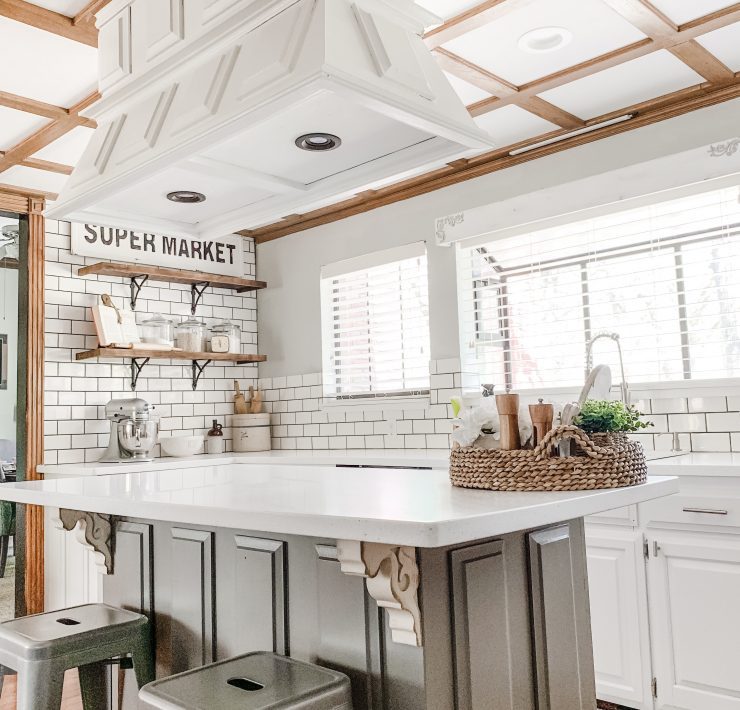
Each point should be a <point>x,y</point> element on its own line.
<point>76,392</point>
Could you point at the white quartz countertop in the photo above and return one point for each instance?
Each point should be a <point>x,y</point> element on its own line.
<point>407,458</point>
<point>404,507</point>
<point>697,464</point>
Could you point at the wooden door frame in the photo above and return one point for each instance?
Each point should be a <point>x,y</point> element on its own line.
<point>30,519</point>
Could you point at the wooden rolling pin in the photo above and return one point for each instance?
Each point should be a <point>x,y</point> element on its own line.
<point>542,417</point>
<point>508,413</point>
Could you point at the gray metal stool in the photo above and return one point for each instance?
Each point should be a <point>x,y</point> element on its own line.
<point>41,647</point>
<point>255,681</point>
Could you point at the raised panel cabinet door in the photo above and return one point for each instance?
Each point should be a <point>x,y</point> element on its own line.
<point>619,624</point>
<point>114,54</point>
<point>561,628</point>
<point>694,595</point>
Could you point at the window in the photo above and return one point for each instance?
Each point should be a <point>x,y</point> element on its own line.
<point>375,322</point>
<point>665,277</point>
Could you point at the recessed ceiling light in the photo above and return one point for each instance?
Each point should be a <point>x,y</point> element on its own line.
<point>187,197</point>
<point>318,141</point>
<point>545,39</point>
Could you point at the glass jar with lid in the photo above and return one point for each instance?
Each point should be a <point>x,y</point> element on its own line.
<point>190,335</point>
<point>225,335</point>
<point>157,330</point>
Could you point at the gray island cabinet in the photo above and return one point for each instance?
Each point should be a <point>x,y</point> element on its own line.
<point>428,597</point>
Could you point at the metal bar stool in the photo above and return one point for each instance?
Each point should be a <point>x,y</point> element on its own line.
<point>255,681</point>
<point>41,647</point>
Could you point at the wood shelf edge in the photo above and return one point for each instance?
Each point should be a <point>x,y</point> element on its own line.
<point>123,353</point>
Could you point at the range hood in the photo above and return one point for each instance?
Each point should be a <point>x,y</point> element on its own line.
<point>264,107</point>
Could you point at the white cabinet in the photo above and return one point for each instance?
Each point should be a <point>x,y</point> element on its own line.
<point>694,593</point>
<point>619,625</point>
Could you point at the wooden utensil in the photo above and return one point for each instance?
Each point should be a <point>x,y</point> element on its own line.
<point>508,413</point>
<point>542,415</point>
<point>240,404</point>
<point>255,402</point>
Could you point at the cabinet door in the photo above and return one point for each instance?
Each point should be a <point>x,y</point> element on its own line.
<point>619,626</point>
<point>694,593</point>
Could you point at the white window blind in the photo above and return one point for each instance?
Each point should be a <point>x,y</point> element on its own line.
<point>375,323</point>
<point>666,278</point>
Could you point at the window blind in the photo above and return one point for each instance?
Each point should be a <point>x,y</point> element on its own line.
<point>375,323</point>
<point>665,277</point>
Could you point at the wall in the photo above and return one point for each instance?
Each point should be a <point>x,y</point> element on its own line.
<point>9,327</point>
<point>289,323</point>
<point>75,428</point>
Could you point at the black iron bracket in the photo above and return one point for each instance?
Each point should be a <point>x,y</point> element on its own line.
<point>137,283</point>
<point>196,294</point>
<point>198,369</point>
<point>137,365</point>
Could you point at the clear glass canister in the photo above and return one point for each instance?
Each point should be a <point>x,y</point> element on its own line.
<point>158,330</point>
<point>231,331</point>
<point>190,335</point>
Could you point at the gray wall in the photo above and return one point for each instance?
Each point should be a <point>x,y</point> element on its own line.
<point>289,309</point>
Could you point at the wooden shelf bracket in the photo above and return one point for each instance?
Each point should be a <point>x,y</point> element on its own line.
<point>137,283</point>
<point>137,365</point>
<point>198,369</point>
<point>196,294</point>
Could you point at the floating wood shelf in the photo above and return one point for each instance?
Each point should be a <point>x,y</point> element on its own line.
<point>141,356</point>
<point>199,280</point>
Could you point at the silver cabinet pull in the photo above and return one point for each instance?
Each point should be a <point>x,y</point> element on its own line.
<point>707,511</point>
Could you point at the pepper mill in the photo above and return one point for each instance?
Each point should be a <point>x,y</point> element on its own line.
<point>508,413</point>
<point>542,417</point>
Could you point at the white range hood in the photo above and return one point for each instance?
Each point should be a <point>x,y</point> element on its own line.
<point>210,97</point>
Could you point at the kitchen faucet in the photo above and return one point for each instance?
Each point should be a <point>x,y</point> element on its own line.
<point>624,387</point>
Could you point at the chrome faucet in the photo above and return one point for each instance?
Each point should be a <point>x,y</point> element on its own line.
<point>624,387</point>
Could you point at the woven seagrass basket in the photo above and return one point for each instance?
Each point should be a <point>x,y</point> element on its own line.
<point>601,461</point>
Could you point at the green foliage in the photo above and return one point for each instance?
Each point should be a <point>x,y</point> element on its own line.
<point>608,416</point>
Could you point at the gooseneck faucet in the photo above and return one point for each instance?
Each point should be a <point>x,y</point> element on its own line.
<point>624,387</point>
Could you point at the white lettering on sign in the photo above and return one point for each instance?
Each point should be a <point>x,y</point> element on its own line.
<point>223,256</point>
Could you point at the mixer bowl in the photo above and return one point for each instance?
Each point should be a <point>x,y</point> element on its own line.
<point>138,438</point>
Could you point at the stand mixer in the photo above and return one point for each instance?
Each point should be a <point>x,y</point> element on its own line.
<point>133,431</point>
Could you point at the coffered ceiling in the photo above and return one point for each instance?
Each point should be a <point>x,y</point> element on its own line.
<point>560,72</point>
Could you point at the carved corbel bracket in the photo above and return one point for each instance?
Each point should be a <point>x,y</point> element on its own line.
<point>95,530</point>
<point>392,580</point>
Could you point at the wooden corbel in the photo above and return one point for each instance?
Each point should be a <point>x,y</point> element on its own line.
<point>94,530</point>
<point>392,578</point>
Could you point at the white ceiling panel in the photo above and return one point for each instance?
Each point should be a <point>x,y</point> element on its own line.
<point>511,124</point>
<point>69,148</point>
<point>17,125</point>
<point>65,7</point>
<point>681,11</point>
<point>595,28</point>
<point>447,8</point>
<point>468,93</point>
<point>724,44</point>
<point>624,85</point>
<point>46,67</point>
<point>33,179</point>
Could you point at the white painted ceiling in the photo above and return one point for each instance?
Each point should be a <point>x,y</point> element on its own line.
<point>60,71</point>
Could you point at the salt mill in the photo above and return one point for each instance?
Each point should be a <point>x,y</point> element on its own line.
<point>542,416</point>
<point>508,413</point>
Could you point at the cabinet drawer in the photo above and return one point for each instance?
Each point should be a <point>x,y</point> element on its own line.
<point>692,509</point>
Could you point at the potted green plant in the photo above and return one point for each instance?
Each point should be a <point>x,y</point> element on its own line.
<point>608,422</point>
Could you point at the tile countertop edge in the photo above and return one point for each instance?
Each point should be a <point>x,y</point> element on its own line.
<point>143,499</point>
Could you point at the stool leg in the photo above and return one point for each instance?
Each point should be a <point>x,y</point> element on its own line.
<point>93,686</point>
<point>40,686</point>
<point>4,541</point>
<point>143,658</point>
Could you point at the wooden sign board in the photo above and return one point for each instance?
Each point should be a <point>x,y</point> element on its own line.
<point>222,255</point>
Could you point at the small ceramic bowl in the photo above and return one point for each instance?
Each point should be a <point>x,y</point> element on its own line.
<point>180,446</point>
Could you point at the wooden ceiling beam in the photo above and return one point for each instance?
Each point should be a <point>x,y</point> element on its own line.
<point>482,14</point>
<point>477,166</point>
<point>645,17</point>
<point>54,22</point>
<point>26,192</point>
<point>703,62</point>
<point>39,108</point>
<point>46,135</point>
<point>48,165</point>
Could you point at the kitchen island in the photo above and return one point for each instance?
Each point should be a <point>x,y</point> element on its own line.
<point>427,596</point>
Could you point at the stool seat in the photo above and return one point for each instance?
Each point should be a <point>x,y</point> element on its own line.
<point>58,633</point>
<point>41,647</point>
<point>255,681</point>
